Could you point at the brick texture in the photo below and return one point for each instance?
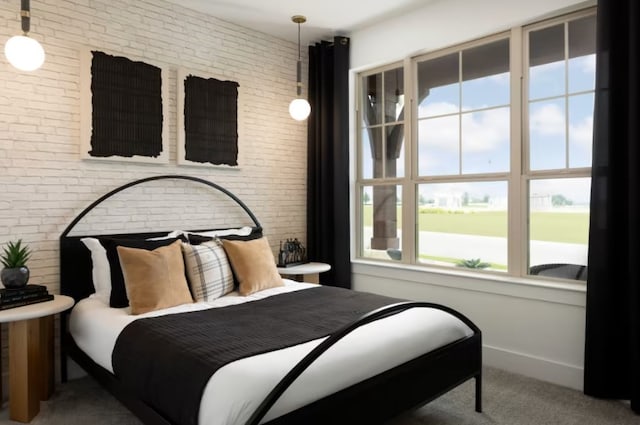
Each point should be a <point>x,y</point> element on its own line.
<point>44,183</point>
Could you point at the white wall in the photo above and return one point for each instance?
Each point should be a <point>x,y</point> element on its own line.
<point>532,329</point>
<point>443,23</point>
<point>43,181</point>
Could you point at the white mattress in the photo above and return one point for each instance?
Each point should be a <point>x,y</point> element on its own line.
<point>236,389</point>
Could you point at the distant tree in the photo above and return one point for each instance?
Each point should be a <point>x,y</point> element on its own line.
<point>465,199</point>
<point>485,199</point>
<point>366,199</point>
<point>560,201</point>
<point>422,200</point>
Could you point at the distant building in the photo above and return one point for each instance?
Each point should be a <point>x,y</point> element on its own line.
<point>540,201</point>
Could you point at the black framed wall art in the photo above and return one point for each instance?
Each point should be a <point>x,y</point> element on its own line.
<point>124,109</point>
<point>208,116</point>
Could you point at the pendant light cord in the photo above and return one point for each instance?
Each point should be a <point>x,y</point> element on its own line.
<point>299,67</point>
<point>299,57</point>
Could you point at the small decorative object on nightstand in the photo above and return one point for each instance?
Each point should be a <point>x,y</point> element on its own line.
<point>292,253</point>
<point>15,273</point>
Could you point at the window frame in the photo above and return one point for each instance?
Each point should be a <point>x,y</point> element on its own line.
<point>517,177</point>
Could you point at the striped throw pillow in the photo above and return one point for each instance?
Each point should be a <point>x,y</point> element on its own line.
<point>208,270</point>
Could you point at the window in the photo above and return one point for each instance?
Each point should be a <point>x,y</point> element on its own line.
<point>496,171</point>
<point>559,110</point>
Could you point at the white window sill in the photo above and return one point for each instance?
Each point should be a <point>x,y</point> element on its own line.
<point>562,292</point>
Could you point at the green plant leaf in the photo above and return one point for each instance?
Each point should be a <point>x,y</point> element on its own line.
<point>15,254</point>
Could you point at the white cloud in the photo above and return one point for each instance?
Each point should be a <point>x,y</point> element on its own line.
<point>437,109</point>
<point>485,131</point>
<point>587,64</point>
<point>582,132</point>
<point>481,131</point>
<point>547,119</point>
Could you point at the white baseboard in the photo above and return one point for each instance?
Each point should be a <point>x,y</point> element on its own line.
<point>535,367</point>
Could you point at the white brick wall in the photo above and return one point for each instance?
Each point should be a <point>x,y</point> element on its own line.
<point>43,181</point>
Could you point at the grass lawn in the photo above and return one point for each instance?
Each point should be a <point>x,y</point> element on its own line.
<point>567,227</point>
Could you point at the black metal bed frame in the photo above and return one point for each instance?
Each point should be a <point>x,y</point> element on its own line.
<point>371,401</point>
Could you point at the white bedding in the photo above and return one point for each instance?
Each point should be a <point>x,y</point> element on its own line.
<point>236,390</point>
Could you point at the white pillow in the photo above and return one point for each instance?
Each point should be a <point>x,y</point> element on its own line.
<point>208,270</point>
<point>101,271</point>
<point>174,234</point>
<point>242,231</point>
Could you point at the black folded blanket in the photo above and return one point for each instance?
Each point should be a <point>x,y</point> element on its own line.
<point>167,361</point>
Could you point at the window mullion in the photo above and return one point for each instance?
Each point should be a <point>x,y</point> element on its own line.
<point>409,189</point>
<point>516,237</point>
<point>566,93</point>
<point>460,112</point>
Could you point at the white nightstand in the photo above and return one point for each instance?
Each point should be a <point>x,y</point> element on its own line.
<point>31,355</point>
<point>305,272</point>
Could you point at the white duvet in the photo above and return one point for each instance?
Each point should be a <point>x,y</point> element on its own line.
<point>236,389</point>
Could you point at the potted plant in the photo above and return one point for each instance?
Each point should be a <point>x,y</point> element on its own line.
<point>15,273</point>
<point>474,263</point>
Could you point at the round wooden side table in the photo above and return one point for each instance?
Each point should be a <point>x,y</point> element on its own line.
<point>31,355</point>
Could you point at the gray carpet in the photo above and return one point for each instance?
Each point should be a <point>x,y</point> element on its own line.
<point>508,400</point>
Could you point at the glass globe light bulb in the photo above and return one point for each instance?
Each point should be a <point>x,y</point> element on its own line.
<point>24,53</point>
<point>299,109</point>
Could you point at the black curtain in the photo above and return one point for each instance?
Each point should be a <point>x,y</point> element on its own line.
<point>328,160</point>
<point>612,351</point>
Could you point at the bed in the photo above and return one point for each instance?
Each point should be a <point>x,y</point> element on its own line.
<point>305,358</point>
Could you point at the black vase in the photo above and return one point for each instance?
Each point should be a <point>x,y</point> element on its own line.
<point>14,278</point>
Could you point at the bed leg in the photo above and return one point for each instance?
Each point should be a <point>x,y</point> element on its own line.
<point>478,379</point>
<point>63,366</point>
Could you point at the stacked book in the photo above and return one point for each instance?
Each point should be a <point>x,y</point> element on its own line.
<point>29,294</point>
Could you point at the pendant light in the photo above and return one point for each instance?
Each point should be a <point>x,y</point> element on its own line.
<point>299,108</point>
<point>22,51</point>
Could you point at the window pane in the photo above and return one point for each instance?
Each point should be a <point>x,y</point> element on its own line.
<point>547,135</point>
<point>381,221</point>
<point>485,76</point>
<point>546,62</point>
<point>582,58</point>
<point>485,141</point>
<point>580,130</point>
<point>463,224</point>
<point>394,95</point>
<point>372,100</point>
<point>395,151</point>
<point>438,86</point>
<point>439,146</point>
<point>558,226</point>
<point>366,151</point>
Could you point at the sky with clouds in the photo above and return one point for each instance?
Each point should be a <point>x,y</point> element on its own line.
<point>465,129</point>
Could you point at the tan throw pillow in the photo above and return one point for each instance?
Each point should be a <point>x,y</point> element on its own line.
<point>154,279</point>
<point>254,265</point>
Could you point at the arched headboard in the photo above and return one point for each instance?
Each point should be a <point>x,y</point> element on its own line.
<point>75,259</point>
